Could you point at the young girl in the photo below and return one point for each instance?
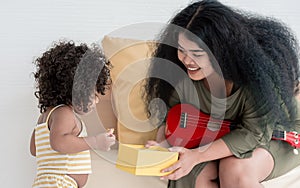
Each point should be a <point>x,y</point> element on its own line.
<point>232,66</point>
<point>70,80</point>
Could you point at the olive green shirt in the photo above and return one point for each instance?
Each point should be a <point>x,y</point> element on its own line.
<point>252,129</point>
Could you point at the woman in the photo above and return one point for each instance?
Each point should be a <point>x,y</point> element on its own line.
<point>238,67</point>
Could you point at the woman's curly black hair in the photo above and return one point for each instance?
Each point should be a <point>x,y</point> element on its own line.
<point>255,52</point>
<point>70,74</point>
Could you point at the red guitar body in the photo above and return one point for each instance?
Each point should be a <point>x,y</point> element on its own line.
<point>188,127</point>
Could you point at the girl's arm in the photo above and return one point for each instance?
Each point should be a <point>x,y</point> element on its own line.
<point>32,144</point>
<point>64,130</point>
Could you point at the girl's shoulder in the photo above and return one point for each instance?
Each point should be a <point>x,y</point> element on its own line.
<point>60,111</point>
<point>65,120</point>
<point>62,114</point>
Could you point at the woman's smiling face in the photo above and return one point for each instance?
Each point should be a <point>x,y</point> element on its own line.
<point>194,58</point>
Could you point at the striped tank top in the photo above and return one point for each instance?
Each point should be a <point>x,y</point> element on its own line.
<point>53,162</point>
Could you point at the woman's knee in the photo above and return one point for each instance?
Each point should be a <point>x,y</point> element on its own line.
<point>208,175</point>
<point>231,167</point>
<point>235,171</point>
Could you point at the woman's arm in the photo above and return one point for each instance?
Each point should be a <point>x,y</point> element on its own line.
<point>240,142</point>
<point>188,158</point>
<point>216,150</point>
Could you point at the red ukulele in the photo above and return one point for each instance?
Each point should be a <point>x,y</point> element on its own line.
<point>188,127</point>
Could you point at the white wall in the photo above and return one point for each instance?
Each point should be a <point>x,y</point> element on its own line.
<point>28,28</point>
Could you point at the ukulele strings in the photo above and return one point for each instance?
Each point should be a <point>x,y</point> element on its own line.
<point>195,121</point>
<point>204,118</point>
<point>203,122</point>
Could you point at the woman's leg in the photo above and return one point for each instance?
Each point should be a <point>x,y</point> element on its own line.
<point>207,177</point>
<point>244,173</point>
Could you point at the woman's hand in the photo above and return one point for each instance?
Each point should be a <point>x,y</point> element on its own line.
<point>188,158</point>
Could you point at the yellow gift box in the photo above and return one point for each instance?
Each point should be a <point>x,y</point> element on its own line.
<point>138,160</point>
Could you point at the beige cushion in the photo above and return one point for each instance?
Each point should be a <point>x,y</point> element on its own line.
<point>130,63</point>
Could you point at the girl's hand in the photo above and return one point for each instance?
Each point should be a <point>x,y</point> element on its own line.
<point>151,143</point>
<point>105,140</point>
<point>163,144</point>
<point>187,161</point>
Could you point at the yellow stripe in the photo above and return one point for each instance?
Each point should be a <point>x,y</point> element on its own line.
<point>60,154</point>
<point>42,138</point>
<point>52,159</point>
<point>65,169</point>
<point>79,164</point>
<point>42,144</point>
<point>48,186</point>
<point>54,153</point>
<point>79,170</point>
<point>49,149</point>
<point>45,182</point>
<point>80,158</point>
<point>60,180</point>
<point>58,169</point>
<point>80,153</point>
<point>73,184</point>
<point>49,155</point>
<point>65,164</point>
<point>54,164</point>
<point>44,133</point>
<point>45,149</point>
<point>41,128</point>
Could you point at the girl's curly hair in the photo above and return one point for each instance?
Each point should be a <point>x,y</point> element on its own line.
<point>70,74</point>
